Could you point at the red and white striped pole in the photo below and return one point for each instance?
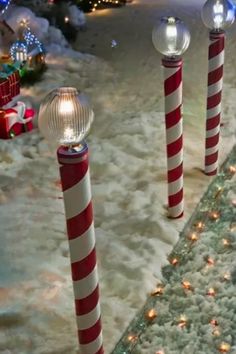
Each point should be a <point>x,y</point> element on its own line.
<point>65,118</point>
<point>174,135</point>
<point>215,84</point>
<point>171,38</point>
<point>74,171</point>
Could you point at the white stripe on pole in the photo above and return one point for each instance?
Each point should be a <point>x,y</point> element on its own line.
<point>173,100</point>
<point>92,347</point>
<point>215,88</point>
<point>216,62</point>
<point>75,206</point>
<point>88,320</point>
<point>82,245</point>
<point>86,286</point>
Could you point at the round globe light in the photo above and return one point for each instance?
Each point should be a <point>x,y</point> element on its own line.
<point>218,14</point>
<point>171,37</point>
<point>65,117</point>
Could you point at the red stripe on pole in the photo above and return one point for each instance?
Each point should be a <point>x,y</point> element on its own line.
<point>89,335</point>
<point>72,174</point>
<point>83,268</point>
<point>173,117</point>
<point>217,47</point>
<point>87,304</point>
<point>214,100</point>
<point>212,141</point>
<point>172,83</point>
<point>213,122</point>
<point>176,198</point>
<point>100,351</point>
<point>212,173</point>
<point>80,223</point>
<point>215,75</point>
<point>210,159</point>
<point>175,174</point>
<point>175,147</point>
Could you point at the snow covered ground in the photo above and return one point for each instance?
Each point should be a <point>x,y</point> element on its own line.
<point>128,170</point>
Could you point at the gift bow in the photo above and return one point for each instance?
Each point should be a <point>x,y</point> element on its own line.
<point>17,114</point>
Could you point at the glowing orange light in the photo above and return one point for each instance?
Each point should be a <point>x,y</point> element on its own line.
<point>211,292</point>
<point>214,322</point>
<point>216,332</point>
<point>224,347</point>
<point>232,169</point>
<point>151,314</point>
<point>182,321</point>
<point>210,261</point>
<point>200,226</point>
<point>174,261</point>
<point>227,276</point>
<point>132,338</point>
<point>214,215</point>
<point>158,291</point>
<point>226,242</point>
<point>193,237</point>
<point>187,285</point>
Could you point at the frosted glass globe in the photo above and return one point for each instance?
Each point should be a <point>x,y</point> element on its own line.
<point>170,37</point>
<point>218,14</point>
<point>65,117</point>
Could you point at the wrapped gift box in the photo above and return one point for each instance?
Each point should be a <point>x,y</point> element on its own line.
<point>14,82</point>
<point>5,95</point>
<point>12,124</point>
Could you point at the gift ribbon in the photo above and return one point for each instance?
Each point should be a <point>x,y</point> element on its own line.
<point>16,115</point>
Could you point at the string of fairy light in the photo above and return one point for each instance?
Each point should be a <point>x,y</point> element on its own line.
<point>212,214</point>
<point>96,4</point>
<point>4,4</point>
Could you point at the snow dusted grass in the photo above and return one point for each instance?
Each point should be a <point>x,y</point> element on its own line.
<point>194,307</point>
<point>127,145</point>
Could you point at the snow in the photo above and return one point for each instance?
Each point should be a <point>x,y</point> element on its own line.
<point>128,171</point>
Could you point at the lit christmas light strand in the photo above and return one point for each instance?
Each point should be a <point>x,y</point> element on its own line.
<point>202,222</point>
<point>4,9</point>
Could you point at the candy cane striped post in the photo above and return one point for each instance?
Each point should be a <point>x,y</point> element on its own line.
<point>74,171</point>
<point>174,135</point>
<point>215,83</point>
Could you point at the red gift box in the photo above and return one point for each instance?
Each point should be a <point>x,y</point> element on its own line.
<point>15,121</point>
<point>14,81</point>
<point>9,87</point>
<point>5,95</point>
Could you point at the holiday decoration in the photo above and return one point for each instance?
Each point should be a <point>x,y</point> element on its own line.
<point>171,38</point>
<point>93,5</point>
<point>28,49</point>
<point>65,118</point>
<point>15,117</point>
<point>19,51</point>
<point>200,306</point>
<point>216,15</point>
<point>16,120</point>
